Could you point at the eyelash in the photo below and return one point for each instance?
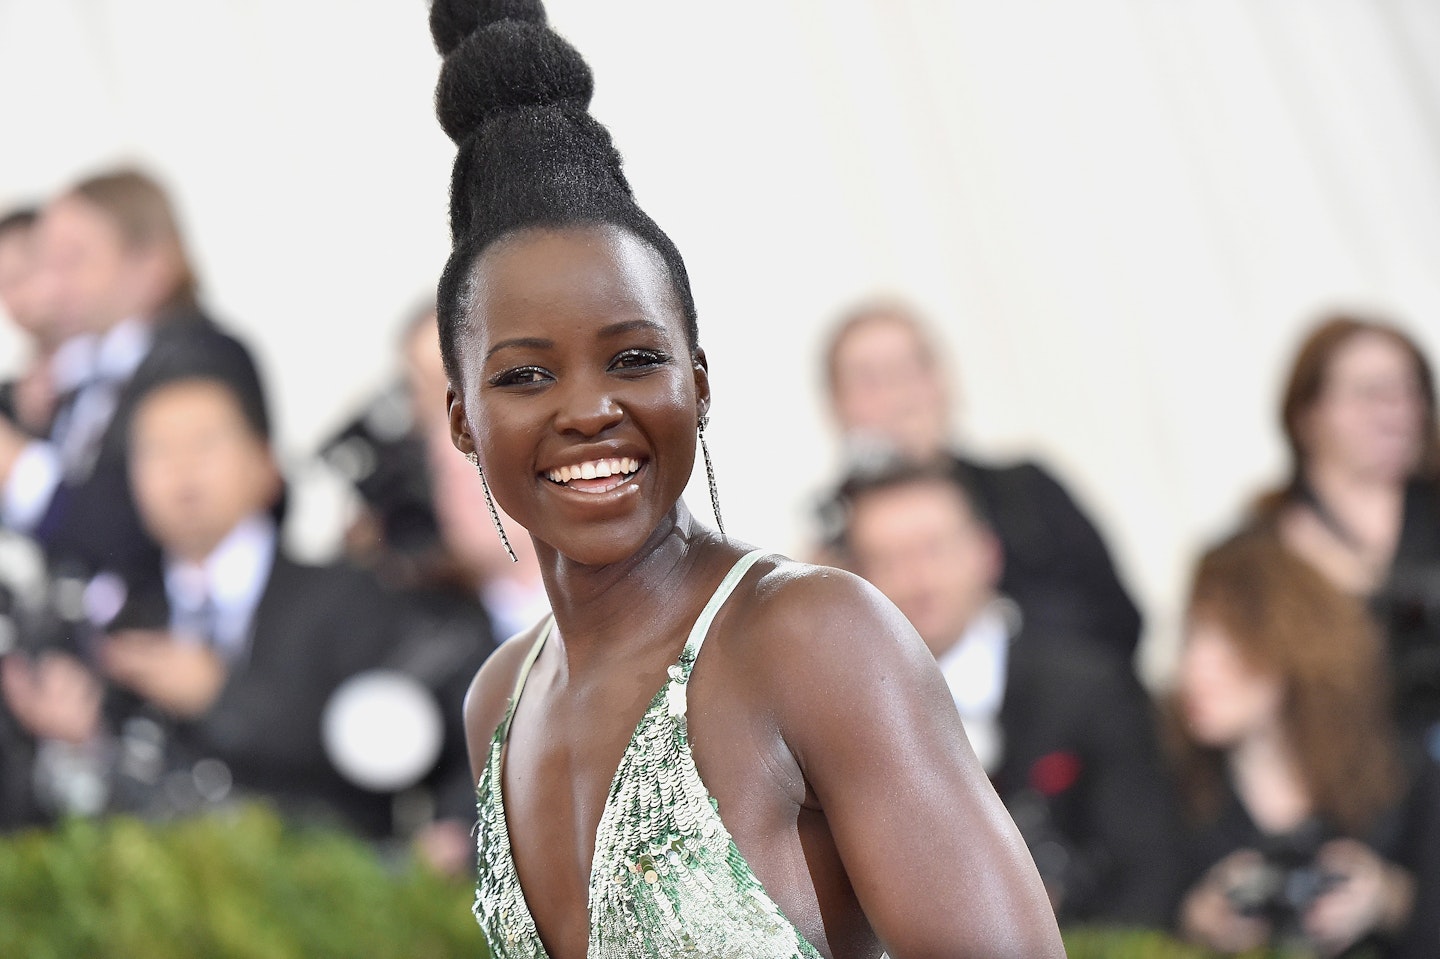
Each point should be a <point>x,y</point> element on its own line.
<point>514,377</point>
<point>648,359</point>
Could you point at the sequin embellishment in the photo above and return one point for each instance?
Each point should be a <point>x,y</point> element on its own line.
<point>667,879</point>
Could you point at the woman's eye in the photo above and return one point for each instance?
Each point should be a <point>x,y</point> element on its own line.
<point>638,359</point>
<point>520,376</point>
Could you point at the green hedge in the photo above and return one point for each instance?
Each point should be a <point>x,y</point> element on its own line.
<point>244,886</point>
<point>240,886</point>
<point>1129,944</point>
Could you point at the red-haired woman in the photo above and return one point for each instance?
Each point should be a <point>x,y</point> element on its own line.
<point>1362,503</point>
<point>1301,824</point>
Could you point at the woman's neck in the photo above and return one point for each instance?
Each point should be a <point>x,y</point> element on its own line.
<point>1368,509</point>
<point>1334,482</point>
<point>601,610</point>
<point>1266,774</point>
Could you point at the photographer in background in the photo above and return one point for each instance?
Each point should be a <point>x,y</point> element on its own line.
<point>1362,502</point>
<point>1064,730</point>
<point>29,399</point>
<point>215,675</point>
<point>419,532</point>
<point>1301,831</point>
<point>889,395</point>
<point>119,283</point>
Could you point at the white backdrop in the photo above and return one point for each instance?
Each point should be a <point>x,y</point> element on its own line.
<point>1121,214</point>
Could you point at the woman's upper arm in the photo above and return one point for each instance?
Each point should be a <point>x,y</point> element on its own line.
<point>934,858</point>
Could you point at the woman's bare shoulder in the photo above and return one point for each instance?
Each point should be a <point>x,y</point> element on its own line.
<point>862,707</point>
<point>802,610</point>
<point>490,690</point>
<point>813,636</point>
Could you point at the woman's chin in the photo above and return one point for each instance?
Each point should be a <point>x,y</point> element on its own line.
<point>600,546</point>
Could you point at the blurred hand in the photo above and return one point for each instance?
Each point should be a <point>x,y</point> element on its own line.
<point>35,397</point>
<point>446,846</point>
<point>12,442</point>
<point>1207,914</point>
<point>1372,895</point>
<point>54,697</point>
<point>182,678</point>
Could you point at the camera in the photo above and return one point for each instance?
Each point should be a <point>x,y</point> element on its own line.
<point>1285,884</point>
<point>1073,876</point>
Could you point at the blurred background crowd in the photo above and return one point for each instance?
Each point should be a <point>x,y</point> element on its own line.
<point>1179,560</point>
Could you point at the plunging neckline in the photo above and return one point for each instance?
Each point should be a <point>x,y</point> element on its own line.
<point>677,675</point>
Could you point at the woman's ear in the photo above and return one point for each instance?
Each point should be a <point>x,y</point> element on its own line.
<point>459,426</point>
<point>701,369</point>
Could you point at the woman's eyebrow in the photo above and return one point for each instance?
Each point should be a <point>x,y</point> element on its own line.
<point>540,343</point>
<point>630,326</point>
<point>528,342</point>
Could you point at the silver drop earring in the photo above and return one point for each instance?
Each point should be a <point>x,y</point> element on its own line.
<point>474,459</point>
<point>710,474</point>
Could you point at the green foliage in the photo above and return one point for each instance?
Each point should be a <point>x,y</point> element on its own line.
<point>241,886</point>
<point>1129,944</point>
<point>245,886</point>
<point>1098,943</point>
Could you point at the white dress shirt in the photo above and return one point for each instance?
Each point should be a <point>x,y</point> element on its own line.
<point>225,589</point>
<point>97,367</point>
<point>974,668</point>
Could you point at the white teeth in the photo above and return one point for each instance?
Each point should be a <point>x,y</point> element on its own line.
<point>595,469</point>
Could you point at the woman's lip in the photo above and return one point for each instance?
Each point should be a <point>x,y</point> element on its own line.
<point>595,489</point>
<point>597,468</point>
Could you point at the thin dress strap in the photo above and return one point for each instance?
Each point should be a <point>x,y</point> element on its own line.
<point>701,629</point>
<point>530,657</point>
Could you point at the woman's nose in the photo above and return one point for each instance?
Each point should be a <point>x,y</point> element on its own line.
<point>587,410</point>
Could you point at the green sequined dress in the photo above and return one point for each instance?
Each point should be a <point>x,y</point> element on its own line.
<point>667,879</point>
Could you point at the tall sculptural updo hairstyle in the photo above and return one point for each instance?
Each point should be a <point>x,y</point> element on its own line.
<point>514,96</point>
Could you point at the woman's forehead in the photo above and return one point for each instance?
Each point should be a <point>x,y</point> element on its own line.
<point>570,277</point>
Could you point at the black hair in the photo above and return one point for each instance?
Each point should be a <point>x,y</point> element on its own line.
<point>209,357</point>
<point>21,219</point>
<point>513,95</point>
<point>888,473</point>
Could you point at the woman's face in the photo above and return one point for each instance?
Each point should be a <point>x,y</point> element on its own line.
<point>1224,698</point>
<point>88,268</point>
<point>888,390</point>
<point>1369,417</point>
<point>578,388</point>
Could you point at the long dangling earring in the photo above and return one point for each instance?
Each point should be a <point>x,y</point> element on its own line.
<point>474,459</point>
<point>710,474</point>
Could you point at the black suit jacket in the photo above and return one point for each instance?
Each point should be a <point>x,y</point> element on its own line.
<point>91,523</point>
<point>447,636</point>
<point>1057,567</point>
<point>314,627</point>
<point>1081,768</point>
<point>1408,608</point>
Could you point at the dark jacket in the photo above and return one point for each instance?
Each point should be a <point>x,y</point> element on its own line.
<point>1407,835</point>
<point>1408,608</point>
<point>91,523</point>
<point>1057,567</point>
<point>1082,775</point>
<point>314,627</point>
<point>447,636</point>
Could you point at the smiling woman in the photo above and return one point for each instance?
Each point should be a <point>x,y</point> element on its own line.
<point>576,360</point>
<point>804,788</point>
